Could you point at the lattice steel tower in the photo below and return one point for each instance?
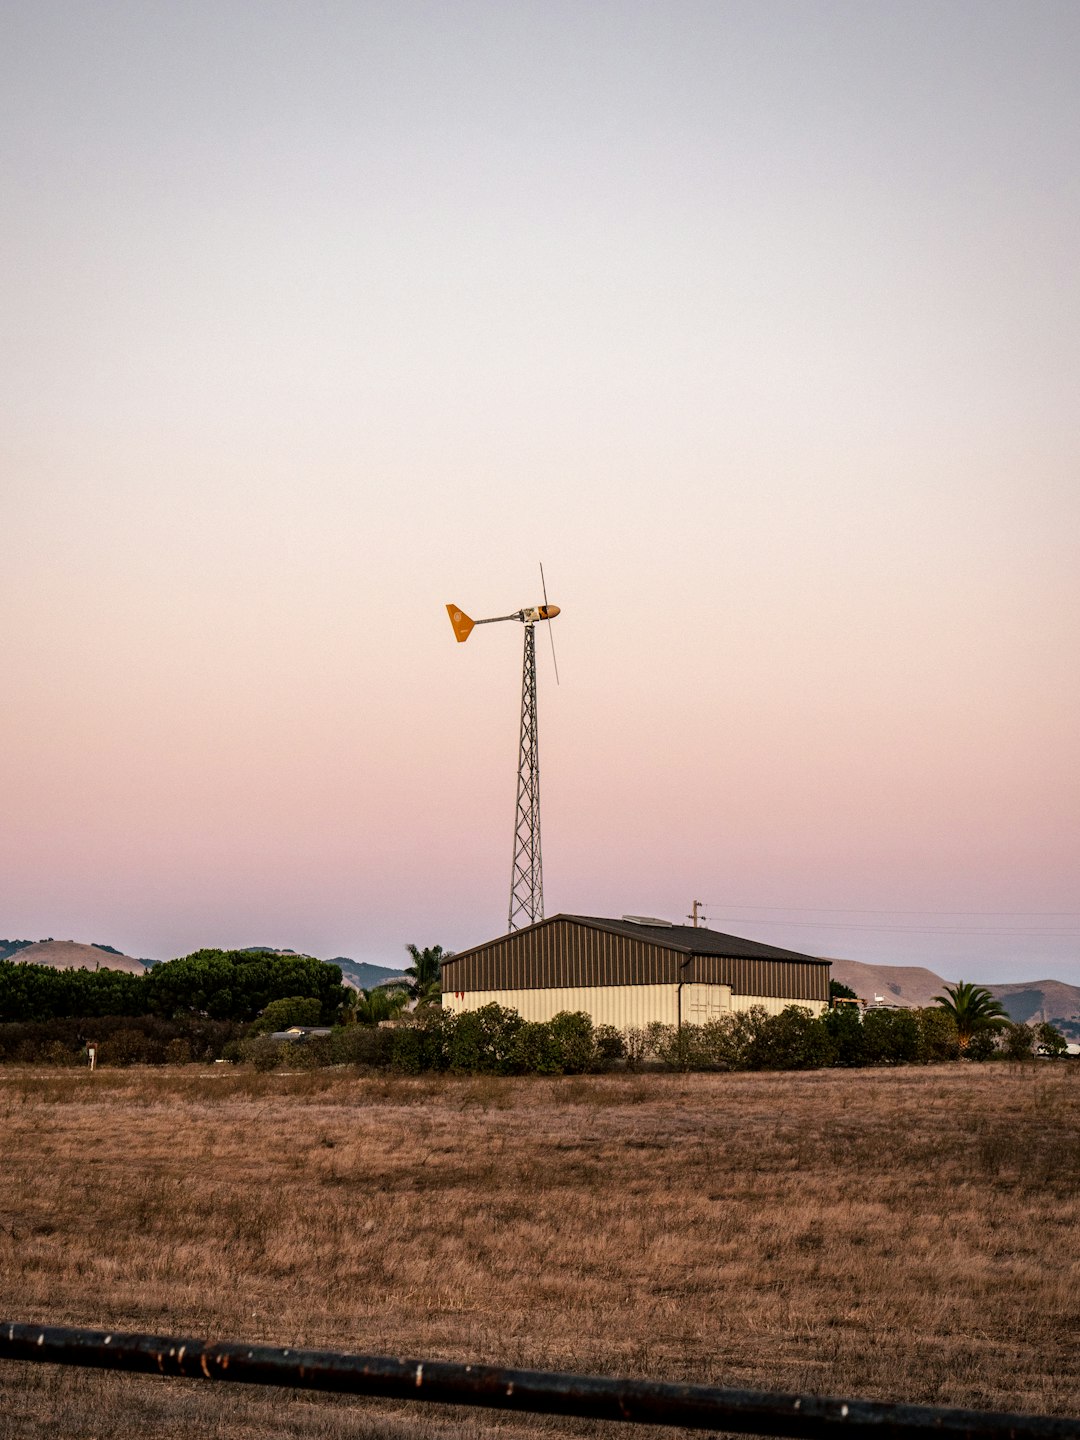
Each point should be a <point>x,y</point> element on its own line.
<point>527,874</point>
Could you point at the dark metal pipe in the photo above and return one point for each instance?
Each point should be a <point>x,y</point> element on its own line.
<point>648,1402</point>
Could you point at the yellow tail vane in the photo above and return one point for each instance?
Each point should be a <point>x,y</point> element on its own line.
<point>461,623</point>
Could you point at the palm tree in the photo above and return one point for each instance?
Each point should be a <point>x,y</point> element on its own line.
<point>381,1003</point>
<point>425,982</point>
<point>973,1008</point>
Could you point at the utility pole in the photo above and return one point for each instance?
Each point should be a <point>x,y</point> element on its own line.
<point>697,904</point>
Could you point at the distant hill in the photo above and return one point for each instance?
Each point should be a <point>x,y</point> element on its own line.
<point>9,949</point>
<point>1039,1000</point>
<point>907,985</point>
<point>912,986</point>
<point>357,973</point>
<point>70,955</point>
<point>363,976</point>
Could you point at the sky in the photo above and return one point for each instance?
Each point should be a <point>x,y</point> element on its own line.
<point>756,321</point>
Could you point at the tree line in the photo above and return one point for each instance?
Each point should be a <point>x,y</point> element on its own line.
<point>220,984</point>
<point>218,1004</point>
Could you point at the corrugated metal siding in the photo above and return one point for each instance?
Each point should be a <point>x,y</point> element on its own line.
<point>564,955</point>
<point>792,979</point>
<point>773,1004</point>
<point>561,954</point>
<point>624,1006</point>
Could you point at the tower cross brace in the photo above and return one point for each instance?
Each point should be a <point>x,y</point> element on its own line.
<point>527,874</point>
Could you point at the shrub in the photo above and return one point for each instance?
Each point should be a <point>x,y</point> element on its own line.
<point>124,1047</point>
<point>482,1041</point>
<point>845,1029</point>
<point>436,1027</point>
<point>636,1047</point>
<point>678,1047</point>
<point>609,1043</point>
<point>572,1033</point>
<point>983,1045</point>
<point>891,1037</point>
<point>425,1040</point>
<point>938,1035</point>
<point>361,1045</point>
<point>792,1040</point>
<point>536,1049</point>
<point>1050,1040</point>
<point>1017,1042</point>
<point>726,1041</point>
<point>45,1041</point>
<point>406,1049</point>
<point>262,1052</point>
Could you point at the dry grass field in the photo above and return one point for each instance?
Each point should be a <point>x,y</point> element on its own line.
<point>910,1234</point>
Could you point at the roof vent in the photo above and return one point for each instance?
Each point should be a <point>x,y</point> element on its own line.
<point>648,920</point>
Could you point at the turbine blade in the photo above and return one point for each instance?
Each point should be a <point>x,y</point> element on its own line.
<point>555,662</point>
<point>551,637</point>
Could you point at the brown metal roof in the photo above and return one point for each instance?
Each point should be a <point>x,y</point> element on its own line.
<point>583,950</point>
<point>691,940</point>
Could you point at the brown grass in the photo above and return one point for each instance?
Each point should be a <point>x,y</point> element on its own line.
<point>908,1234</point>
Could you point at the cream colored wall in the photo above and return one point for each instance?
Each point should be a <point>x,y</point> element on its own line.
<point>774,1004</point>
<point>624,1006</point>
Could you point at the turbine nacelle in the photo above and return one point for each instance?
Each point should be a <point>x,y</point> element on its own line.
<point>463,625</point>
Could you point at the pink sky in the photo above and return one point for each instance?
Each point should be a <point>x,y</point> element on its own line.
<point>757,323</point>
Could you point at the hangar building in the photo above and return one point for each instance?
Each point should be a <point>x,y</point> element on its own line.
<point>630,972</point>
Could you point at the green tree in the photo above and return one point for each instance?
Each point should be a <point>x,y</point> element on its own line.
<point>483,1041</point>
<point>40,992</point>
<point>972,1008</point>
<point>937,1032</point>
<point>292,1010</point>
<point>1017,1042</point>
<point>239,984</point>
<point>535,1049</point>
<point>983,1045</point>
<point>846,1032</point>
<point>891,1037</point>
<point>425,973</point>
<point>792,1040</point>
<point>839,991</point>
<point>726,1041</point>
<point>572,1031</point>
<point>1050,1041</point>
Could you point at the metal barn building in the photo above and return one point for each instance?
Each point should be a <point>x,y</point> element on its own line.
<point>630,972</point>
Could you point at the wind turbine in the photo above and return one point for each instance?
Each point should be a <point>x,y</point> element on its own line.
<point>527,873</point>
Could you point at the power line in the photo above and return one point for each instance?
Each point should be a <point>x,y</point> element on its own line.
<point>895,910</point>
<point>797,924</point>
